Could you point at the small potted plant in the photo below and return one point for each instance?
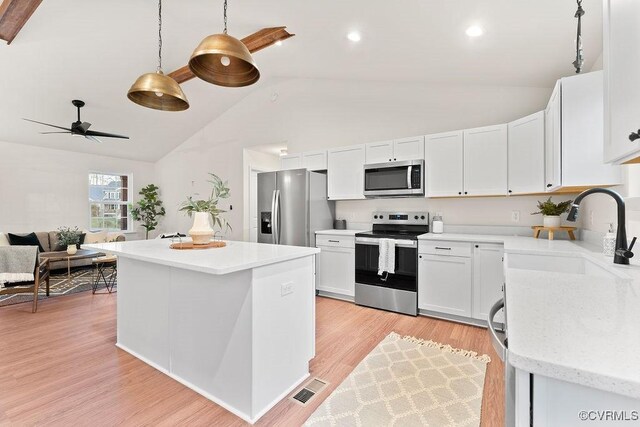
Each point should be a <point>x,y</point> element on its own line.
<point>69,237</point>
<point>206,211</point>
<point>148,209</point>
<point>551,212</point>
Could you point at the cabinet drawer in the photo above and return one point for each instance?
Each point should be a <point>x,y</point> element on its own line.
<point>335,241</point>
<point>443,247</point>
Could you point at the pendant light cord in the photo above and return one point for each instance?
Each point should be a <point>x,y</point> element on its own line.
<point>159,35</point>
<point>579,62</point>
<point>225,16</point>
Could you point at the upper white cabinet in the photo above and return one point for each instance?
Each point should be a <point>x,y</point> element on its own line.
<point>345,172</point>
<point>574,133</point>
<point>621,80</point>
<point>379,152</point>
<point>291,161</point>
<point>443,162</point>
<point>314,160</point>
<point>396,150</point>
<point>485,161</point>
<point>310,160</point>
<point>526,155</point>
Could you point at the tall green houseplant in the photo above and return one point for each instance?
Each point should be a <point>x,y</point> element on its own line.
<point>148,209</point>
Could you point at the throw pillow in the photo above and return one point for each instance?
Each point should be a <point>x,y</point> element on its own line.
<point>25,240</point>
<point>95,237</point>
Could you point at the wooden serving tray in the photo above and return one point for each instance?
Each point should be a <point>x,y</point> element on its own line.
<point>189,245</point>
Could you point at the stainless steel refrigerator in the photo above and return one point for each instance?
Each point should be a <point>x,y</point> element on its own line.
<point>292,206</point>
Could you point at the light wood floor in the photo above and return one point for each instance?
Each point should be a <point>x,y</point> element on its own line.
<point>60,366</point>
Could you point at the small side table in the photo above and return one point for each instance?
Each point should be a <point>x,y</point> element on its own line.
<point>102,264</point>
<point>538,228</point>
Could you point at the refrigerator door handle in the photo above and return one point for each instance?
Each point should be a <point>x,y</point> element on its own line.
<point>277,217</point>
<point>274,220</point>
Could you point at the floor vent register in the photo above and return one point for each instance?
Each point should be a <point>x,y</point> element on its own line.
<point>308,391</point>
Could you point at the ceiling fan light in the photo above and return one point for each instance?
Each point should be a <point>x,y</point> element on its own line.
<point>157,91</point>
<point>209,64</point>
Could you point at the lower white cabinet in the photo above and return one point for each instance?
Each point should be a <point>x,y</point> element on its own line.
<point>444,284</point>
<point>335,265</point>
<point>488,279</point>
<point>463,279</point>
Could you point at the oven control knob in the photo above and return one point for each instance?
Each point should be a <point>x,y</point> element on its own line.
<point>422,217</point>
<point>415,217</point>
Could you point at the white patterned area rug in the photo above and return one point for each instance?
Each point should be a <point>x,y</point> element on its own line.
<point>406,381</point>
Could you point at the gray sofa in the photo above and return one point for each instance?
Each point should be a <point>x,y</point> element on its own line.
<point>49,241</point>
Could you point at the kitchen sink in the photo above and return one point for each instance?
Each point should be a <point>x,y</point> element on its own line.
<point>557,264</point>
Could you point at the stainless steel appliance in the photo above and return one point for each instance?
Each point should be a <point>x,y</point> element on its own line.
<point>394,179</point>
<point>394,292</point>
<point>500,344</point>
<point>292,206</point>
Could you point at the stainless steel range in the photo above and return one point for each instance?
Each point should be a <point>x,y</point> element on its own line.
<point>398,291</point>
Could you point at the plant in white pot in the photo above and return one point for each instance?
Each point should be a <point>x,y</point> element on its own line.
<point>206,211</point>
<point>69,237</point>
<point>551,212</point>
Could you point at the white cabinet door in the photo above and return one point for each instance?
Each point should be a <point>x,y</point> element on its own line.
<point>335,270</point>
<point>408,148</point>
<point>379,152</point>
<point>485,161</point>
<point>488,279</point>
<point>314,160</point>
<point>345,172</point>
<point>443,161</point>
<point>552,140</point>
<point>444,284</point>
<point>526,155</point>
<point>622,79</point>
<point>291,161</point>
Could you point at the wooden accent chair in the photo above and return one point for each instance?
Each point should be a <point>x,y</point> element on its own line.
<point>40,273</point>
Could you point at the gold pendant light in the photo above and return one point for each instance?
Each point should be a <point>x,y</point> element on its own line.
<point>224,60</point>
<point>155,90</point>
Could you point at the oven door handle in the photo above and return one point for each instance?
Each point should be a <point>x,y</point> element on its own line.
<point>498,344</point>
<point>375,242</point>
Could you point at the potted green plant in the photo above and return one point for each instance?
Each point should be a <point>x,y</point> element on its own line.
<point>69,237</point>
<point>148,209</point>
<point>206,211</point>
<point>551,211</point>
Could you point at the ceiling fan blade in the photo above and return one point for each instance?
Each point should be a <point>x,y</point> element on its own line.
<point>47,124</point>
<point>46,133</point>
<point>84,126</point>
<point>106,135</point>
<point>92,138</point>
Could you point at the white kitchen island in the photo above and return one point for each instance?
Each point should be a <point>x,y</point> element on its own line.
<point>235,324</point>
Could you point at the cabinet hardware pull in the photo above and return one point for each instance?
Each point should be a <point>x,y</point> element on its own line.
<point>334,241</point>
<point>549,185</point>
<point>634,136</point>
<point>444,249</point>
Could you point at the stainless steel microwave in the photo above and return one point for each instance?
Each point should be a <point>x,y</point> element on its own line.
<point>394,179</point>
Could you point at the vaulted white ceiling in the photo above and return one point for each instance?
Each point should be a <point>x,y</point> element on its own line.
<point>94,50</point>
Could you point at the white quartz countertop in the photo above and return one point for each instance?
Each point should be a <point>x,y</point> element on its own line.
<point>236,256</point>
<point>340,232</point>
<point>580,328</point>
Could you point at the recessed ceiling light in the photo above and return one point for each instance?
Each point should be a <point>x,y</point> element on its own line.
<point>474,31</point>
<point>279,43</point>
<point>354,36</point>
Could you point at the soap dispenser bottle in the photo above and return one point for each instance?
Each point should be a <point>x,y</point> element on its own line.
<point>609,242</point>
<point>437,226</point>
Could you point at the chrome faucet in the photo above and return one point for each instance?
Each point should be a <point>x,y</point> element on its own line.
<point>622,253</point>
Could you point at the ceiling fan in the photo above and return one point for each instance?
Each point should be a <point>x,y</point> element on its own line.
<point>80,128</point>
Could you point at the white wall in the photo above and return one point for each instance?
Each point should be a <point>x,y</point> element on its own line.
<point>312,114</point>
<point>42,189</point>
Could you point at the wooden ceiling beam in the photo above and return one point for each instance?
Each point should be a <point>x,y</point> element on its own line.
<point>14,14</point>
<point>254,42</point>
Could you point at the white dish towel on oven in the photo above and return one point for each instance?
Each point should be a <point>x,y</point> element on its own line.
<point>387,256</point>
